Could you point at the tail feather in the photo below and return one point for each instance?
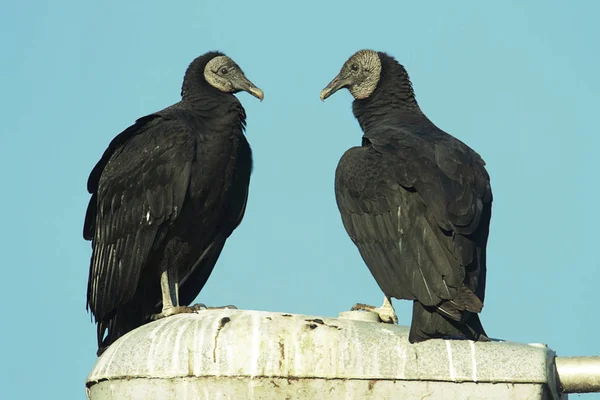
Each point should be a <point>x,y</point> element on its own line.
<point>126,318</point>
<point>465,300</point>
<point>433,323</point>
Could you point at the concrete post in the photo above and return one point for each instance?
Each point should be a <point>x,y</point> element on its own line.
<point>238,354</point>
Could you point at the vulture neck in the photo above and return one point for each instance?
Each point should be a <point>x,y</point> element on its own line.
<point>392,102</point>
<point>195,90</point>
<point>212,104</point>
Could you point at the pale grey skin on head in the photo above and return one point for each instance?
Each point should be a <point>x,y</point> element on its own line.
<point>416,202</point>
<point>360,75</point>
<point>223,73</point>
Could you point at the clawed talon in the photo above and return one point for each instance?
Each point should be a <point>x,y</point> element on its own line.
<point>202,306</point>
<point>386,311</point>
<point>362,307</point>
<point>191,309</point>
<point>172,311</point>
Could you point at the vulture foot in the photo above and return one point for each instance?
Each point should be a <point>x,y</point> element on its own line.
<point>201,306</point>
<point>167,312</point>
<point>386,311</point>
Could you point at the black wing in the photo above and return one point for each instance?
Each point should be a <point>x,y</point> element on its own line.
<point>138,188</point>
<point>418,212</point>
<point>229,221</point>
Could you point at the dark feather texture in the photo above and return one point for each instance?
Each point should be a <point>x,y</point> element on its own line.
<point>417,203</point>
<point>167,193</point>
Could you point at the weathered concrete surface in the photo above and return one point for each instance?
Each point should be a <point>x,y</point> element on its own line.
<point>236,354</point>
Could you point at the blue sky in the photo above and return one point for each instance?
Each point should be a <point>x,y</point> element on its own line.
<point>517,82</point>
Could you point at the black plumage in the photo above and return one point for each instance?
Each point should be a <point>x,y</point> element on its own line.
<point>415,200</point>
<point>166,195</point>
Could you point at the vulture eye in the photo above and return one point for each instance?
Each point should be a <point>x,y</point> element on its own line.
<point>224,70</point>
<point>354,67</point>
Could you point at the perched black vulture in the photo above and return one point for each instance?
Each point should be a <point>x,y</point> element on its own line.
<point>416,202</point>
<point>166,195</point>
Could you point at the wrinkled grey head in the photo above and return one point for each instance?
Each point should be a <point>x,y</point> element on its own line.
<point>360,75</point>
<point>224,74</point>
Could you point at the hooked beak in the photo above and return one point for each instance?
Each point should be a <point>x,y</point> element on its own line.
<point>336,84</point>
<point>244,84</point>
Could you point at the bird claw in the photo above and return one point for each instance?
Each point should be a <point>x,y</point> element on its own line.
<point>362,307</point>
<point>391,319</point>
<point>386,312</point>
<point>185,310</point>
<point>172,311</point>
<point>201,306</point>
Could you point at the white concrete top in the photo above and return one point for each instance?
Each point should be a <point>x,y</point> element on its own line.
<point>254,344</point>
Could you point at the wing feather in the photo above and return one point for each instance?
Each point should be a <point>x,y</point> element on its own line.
<point>138,187</point>
<point>414,209</point>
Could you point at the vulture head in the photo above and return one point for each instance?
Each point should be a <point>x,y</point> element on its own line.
<point>219,72</point>
<point>360,75</point>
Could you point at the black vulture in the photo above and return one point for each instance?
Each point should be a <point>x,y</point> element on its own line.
<point>166,195</point>
<point>416,201</point>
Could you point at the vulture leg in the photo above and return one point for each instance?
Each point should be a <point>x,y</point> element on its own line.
<point>169,286</point>
<point>386,311</point>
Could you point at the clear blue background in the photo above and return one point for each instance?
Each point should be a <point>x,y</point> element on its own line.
<point>518,83</point>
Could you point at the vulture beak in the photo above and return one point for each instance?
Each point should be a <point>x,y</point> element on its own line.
<point>336,84</point>
<point>242,83</point>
